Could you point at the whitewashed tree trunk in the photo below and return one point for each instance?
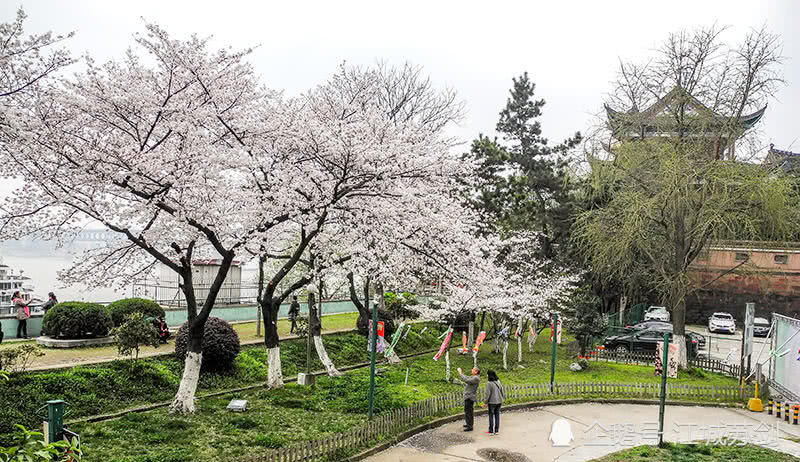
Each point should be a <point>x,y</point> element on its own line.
<point>505,355</point>
<point>274,374</point>
<point>474,359</point>
<point>447,366</point>
<point>519,341</point>
<point>323,356</point>
<point>681,341</point>
<point>184,399</point>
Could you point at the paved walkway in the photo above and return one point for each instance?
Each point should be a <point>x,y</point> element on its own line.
<point>597,430</point>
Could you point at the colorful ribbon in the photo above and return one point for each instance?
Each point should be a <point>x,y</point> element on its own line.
<point>448,335</point>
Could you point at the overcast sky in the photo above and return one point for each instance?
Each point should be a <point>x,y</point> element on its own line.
<point>570,48</point>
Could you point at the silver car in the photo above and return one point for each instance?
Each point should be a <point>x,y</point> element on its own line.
<point>721,322</point>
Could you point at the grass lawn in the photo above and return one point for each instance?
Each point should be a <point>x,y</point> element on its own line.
<point>247,333</point>
<point>282,417</point>
<point>698,453</point>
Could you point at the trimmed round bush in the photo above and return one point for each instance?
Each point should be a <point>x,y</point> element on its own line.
<point>220,344</point>
<point>122,308</point>
<point>77,320</point>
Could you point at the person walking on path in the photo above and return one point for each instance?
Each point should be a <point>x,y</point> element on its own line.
<point>470,395</point>
<point>294,310</point>
<point>494,398</point>
<point>51,302</point>
<point>22,315</point>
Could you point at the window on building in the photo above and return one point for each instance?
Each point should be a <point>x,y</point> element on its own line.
<point>741,256</point>
<point>781,259</point>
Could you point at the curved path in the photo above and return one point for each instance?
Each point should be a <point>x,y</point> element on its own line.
<point>597,430</point>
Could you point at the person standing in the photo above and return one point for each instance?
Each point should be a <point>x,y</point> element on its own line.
<point>22,315</point>
<point>494,398</point>
<point>294,310</point>
<point>470,395</point>
<point>51,302</point>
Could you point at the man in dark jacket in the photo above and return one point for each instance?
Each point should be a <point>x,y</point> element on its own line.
<point>294,310</point>
<point>471,384</point>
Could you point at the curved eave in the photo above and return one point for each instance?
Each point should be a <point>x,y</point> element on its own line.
<point>749,120</point>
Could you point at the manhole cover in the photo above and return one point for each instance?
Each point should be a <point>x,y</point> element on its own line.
<point>433,441</point>
<point>501,455</point>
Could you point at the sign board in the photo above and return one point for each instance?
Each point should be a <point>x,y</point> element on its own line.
<point>749,321</point>
<point>785,353</point>
<point>672,359</point>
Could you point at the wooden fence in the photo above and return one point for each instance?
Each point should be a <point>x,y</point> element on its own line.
<point>339,446</point>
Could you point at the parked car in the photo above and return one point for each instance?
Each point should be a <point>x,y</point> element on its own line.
<point>667,326</point>
<point>656,313</point>
<point>645,341</point>
<point>721,322</point>
<point>761,327</point>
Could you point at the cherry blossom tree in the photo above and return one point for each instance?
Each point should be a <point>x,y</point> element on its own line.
<point>364,140</point>
<point>147,147</point>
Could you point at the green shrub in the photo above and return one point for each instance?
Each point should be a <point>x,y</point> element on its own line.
<point>220,344</point>
<point>122,308</point>
<point>133,334</point>
<point>75,320</point>
<point>30,447</point>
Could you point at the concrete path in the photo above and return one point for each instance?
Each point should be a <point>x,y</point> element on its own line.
<point>597,430</point>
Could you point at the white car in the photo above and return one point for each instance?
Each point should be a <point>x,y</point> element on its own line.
<point>721,322</point>
<point>657,313</point>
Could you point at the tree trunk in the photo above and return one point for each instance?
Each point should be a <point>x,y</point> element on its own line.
<point>521,332</point>
<point>184,398</point>
<point>364,315</point>
<point>679,331</point>
<point>505,355</point>
<point>483,318</point>
<point>532,337</point>
<point>315,327</point>
<point>272,342</point>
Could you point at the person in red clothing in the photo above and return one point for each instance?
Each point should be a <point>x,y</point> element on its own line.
<point>22,314</point>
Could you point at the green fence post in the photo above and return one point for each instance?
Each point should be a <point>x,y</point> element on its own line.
<point>55,420</point>
<point>374,343</point>
<point>663,391</point>
<point>553,351</point>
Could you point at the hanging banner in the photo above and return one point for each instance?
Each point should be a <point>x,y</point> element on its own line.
<point>395,338</point>
<point>558,332</point>
<point>463,349</point>
<point>672,359</point>
<point>478,341</point>
<point>518,332</point>
<point>445,343</point>
<point>379,343</point>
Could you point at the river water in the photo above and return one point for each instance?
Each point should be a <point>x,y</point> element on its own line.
<point>42,263</point>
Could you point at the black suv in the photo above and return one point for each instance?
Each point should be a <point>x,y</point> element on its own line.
<point>644,341</point>
<point>667,326</point>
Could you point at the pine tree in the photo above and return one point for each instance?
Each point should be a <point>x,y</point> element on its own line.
<point>524,183</point>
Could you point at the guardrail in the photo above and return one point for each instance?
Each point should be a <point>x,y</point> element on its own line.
<point>339,446</point>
